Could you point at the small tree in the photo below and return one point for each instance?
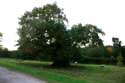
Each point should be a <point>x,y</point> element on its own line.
<point>117,47</point>
<point>1,39</point>
<point>119,59</point>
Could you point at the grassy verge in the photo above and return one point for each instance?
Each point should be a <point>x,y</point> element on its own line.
<point>76,74</point>
<point>48,75</point>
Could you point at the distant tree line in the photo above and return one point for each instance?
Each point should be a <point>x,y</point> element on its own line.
<point>101,55</point>
<point>97,55</point>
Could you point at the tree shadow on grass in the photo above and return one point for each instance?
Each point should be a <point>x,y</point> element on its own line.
<point>72,67</point>
<point>48,65</point>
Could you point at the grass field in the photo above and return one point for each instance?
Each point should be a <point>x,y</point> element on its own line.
<point>80,73</point>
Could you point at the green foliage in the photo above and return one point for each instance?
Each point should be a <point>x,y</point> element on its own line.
<point>116,42</point>
<point>118,50</point>
<point>98,55</point>
<point>116,46</point>
<point>1,39</point>
<point>22,55</point>
<point>43,31</point>
<point>86,35</point>
<point>5,53</point>
<point>41,26</point>
<point>119,59</point>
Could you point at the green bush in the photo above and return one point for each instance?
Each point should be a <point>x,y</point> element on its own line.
<point>119,60</point>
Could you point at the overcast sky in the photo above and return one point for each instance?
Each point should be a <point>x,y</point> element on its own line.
<point>109,15</point>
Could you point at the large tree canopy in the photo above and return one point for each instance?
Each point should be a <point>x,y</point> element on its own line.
<point>40,25</point>
<point>43,30</point>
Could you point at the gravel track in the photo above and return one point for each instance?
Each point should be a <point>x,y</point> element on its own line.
<point>8,76</point>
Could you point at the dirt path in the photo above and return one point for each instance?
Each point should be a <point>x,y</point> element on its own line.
<point>8,76</point>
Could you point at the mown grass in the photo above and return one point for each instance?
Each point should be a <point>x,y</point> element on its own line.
<point>80,73</point>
